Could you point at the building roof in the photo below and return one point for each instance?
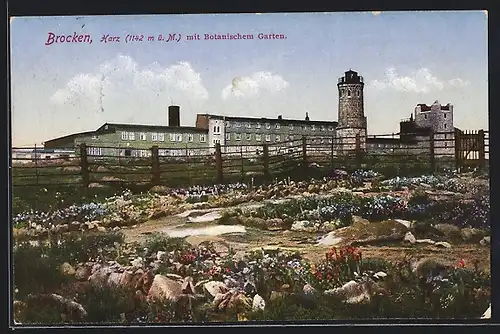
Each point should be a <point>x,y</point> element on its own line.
<point>165,128</point>
<point>68,137</point>
<point>270,120</point>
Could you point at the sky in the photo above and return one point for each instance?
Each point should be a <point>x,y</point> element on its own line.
<point>405,58</point>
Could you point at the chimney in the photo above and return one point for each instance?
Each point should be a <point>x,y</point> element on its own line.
<point>307,116</point>
<point>174,118</point>
<point>280,117</point>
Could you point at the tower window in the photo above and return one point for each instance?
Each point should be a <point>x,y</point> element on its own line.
<point>444,125</point>
<point>358,93</point>
<point>425,116</point>
<point>444,115</point>
<point>349,93</point>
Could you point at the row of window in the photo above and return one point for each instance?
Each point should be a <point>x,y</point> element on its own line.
<point>267,138</point>
<point>98,151</point>
<point>348,93</point>
<point>173,137</point>
<point>268,126</point>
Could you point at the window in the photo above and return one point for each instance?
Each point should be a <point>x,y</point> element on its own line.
<point>304,128</point>
<point>444,125</point>
<point>249,136</point>
<point>322,141</point>
<point>106,127</point>
<point>323,128</point>
<point>268,137</point>
<point>277,126</point>
<point>154,136</point>
<point>278,138</point>
<point>425,116</point>
<point>203,138</point>
<point>178,137</point>
<point>124,135</point>
<point>94,137</point>
<point>330,141</point>
<point>445,144</point>
<point>143,153</point>
<point>238,124</point>
<point>190,138</point>
<point>268,126</point>
<point>161,137</point>
<point>257,125</point>
<point>248,125</point>
<point>348,93</point>
<point>216,141</point>
<point>216,129</point>
<point>258,137</point>
<point>445,115</point>
<point>131,136</point>
<point>290,127</point>
<point>162,153</point>
<point>228,136</point>
<point>237,136</point>
<point>330,128</point>
<point>358,93</point>
<point>172,137</point>
<point>94,151</point>
<point>313,128</point>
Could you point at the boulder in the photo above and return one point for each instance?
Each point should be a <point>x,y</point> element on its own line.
<point>164,288</point>
<point>357,292</point>
<point>67,269</point>
<point>214,288</point>
<point>303,226</point>
<point>449,231</point>
<point>258,303</point>
<point>472,235</point>
<point>83,272</point>
<point>409,237</point>
<point>486,241</point>
<point>369,234</point>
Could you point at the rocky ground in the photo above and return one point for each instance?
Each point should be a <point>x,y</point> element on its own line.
<point>442,219</point>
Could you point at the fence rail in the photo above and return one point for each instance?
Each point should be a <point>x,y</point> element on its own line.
<point>306,157</point>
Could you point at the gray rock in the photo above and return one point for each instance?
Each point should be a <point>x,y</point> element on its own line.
<point>258,303</point>
<point>486,241</point>
<point>443,244</point>
<point>409,237</point>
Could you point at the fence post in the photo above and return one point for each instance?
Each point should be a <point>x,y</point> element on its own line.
<point>265,156</point>
<point>458,150</point>
<point>432,160</point>
<point>332,152</point>
<point>155,166</point>
<point>481,149</point>
<point>218,163</point>
<point>304,157</point>
<point>84,165</point>
<point>358,152</point>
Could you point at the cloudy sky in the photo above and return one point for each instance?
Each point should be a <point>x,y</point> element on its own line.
<point>405,58</point>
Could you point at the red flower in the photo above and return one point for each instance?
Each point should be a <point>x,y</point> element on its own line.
<point>461,263</point>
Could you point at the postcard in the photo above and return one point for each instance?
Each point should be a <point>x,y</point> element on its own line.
<point>174,169</point>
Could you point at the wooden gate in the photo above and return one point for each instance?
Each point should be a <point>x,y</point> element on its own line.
<point>470,149</point>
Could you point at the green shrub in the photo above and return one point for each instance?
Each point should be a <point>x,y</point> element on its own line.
<point>105,304</point>
<point>161,242</point>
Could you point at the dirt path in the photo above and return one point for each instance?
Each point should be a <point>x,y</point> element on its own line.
<point>305,243</point>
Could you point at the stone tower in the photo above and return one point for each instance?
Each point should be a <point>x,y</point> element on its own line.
<point>351,117</point>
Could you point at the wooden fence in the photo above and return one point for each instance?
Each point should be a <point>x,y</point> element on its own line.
<point>299,159</point>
